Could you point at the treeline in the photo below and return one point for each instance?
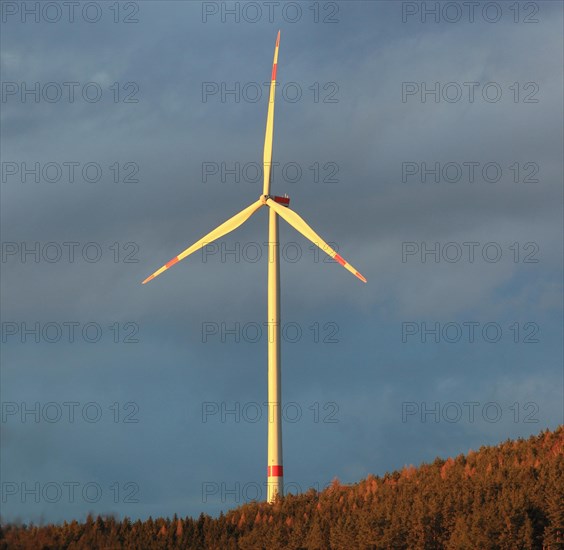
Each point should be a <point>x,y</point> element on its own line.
<point>506,497</point>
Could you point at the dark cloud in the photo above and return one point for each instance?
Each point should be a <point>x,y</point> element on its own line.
<point>368,374</point>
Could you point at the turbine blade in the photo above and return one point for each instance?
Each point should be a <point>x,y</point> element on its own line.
<point>223,229</point>
<point>267,155</point>
<point>300,225</point>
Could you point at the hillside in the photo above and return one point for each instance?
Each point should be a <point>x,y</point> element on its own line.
<point>505,497</point>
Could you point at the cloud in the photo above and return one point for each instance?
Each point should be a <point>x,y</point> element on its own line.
<point>363,206</point>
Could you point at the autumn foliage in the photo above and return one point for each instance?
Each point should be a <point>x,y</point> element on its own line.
<point>506,497</point>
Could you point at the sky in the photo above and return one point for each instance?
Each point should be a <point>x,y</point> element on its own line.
<point>423,139</point>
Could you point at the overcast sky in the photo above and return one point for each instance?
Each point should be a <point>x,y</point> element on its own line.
<point>426,145</point>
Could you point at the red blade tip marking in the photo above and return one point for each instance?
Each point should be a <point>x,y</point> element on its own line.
<point>148,279</point>
<point>363,279</point>
<point>339,259</point>
<point>172,262</point>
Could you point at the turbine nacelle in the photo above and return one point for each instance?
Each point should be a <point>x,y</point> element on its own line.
<point>284,201</point>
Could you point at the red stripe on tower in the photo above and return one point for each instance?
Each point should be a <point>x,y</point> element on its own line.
<point>339,259</point>
<point>172,262</point>
<point>274,71</point>
<point>275,471</point>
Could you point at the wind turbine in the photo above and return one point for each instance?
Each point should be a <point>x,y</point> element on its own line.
<point>277,206</point>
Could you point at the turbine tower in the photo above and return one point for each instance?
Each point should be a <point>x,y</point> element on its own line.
<point>277,206</point>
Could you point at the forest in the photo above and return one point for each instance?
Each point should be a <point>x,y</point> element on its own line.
<point>503,497</point>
